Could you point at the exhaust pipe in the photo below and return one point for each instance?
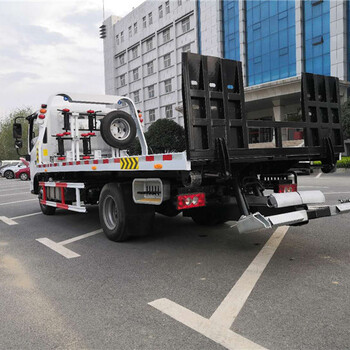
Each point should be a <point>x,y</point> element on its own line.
<point>282,200</point>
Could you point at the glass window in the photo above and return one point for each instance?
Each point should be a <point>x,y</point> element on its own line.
<point>317,37</point>
<point>122,59</point>
<point>186,48</point>
<point>231,28</point>
<point>271,46</point>
<point>160,11</point>
<point>117,39</point>
<point>149,44</point>
<point>130,32</point>
<point>185,24</point>
<point>169,111</point>
<point>121,37</point>
<point>122,80</point>
<point>167,86</point>
<point>150,19</point>
<point>151,91</point>
<point>151,115</point>
<point>135,74</point>
<point>137,96</point>
<point>179,2</point>
<point>167,60</point>
<point>135,27</point>
<point>134,52</point>
<point>167,7</point>
<point>166,35</point>
<point>144,22</point>
<point>150,68</point>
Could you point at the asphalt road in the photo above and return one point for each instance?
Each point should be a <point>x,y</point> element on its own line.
<point>100,299</point>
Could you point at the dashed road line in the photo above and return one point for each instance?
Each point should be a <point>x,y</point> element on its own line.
<point>7,220</point>
<point>335,192</point>
<point>217,327</point>
<point>26,215</point>
<point>23,200</point>
<point>11,221</point>
<point>60,246</point>
<point>318,175</point>
<point>14,194</point>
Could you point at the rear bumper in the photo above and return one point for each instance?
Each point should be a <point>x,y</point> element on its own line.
<point>257,222</point>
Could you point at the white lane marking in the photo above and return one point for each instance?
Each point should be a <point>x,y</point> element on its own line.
<point>11,221</point>
<point>74,239</point>
<point>318,175</point>
<point>60,246</point>
<point>26,215</point>
<point>335,192</point>
<point>7,220</point>
<point>217,327</point>
<point>24,200</point>
<point>230,307</point>
<point>8,189</point>
<point>14,194</point>
<point>208,328</point>
<point>312,186</point>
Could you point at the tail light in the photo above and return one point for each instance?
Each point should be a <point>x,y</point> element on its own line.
<point>41,116</point>
<point>287,188</point>
<point>188,201</point>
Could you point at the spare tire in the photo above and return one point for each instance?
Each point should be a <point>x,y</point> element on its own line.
<point>118,129</point>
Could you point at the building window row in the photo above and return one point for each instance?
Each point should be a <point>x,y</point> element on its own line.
<point>144,22</point>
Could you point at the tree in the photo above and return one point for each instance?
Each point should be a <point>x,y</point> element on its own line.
<point>7,148</point>
<point>345,119</point>
<point>163,136</point>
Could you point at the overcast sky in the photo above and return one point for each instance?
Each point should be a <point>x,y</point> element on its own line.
<point>48,46</point>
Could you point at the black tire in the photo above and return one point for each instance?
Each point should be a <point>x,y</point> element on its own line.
<point>47,210</point>
<point>9,174</point>
<point>120,217</point>
<point>24,177</point>
<point>124,126</point>
<point>208,216</point>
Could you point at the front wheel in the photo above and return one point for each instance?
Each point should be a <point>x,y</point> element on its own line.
<point>9,174</point>
<point>47,210</point>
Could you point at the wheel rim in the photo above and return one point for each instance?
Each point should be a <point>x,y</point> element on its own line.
<point>23,176</point>
<point>120,129</point>
<point>110,213</point>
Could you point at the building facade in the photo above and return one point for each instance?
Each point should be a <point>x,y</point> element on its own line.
<point>143,55</point>
<point>275,41</point>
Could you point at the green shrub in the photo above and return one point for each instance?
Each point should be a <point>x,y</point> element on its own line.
<point>343,163</point>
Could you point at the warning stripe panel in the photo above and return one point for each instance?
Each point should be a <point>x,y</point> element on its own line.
<point>130,163</point>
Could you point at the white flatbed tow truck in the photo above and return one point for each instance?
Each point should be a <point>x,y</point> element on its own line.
<point>79,156</point>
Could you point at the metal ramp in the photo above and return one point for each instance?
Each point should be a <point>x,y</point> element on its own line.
<point>214,108</point>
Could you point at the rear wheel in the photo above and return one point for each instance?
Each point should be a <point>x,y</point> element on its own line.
<point>24,176</point>
<point>120,217</point>
<point>9,174</point>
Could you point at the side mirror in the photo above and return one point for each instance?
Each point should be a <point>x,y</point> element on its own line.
<point>17,131</point>
<point>18,144</point>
